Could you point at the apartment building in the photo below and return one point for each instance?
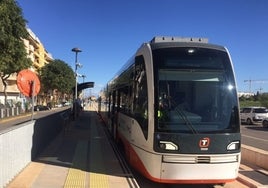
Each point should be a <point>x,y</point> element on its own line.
<point>39,56</point>
<point>36,51</point>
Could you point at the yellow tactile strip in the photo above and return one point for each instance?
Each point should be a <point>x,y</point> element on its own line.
<point>76,178</point>
<point>98,180</point>
<point>77,174</point>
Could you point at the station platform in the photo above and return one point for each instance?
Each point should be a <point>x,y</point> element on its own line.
<point>85,156</point>
<point>81,156</point>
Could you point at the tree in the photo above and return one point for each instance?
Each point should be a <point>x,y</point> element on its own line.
<point>13,57</point>
<point>264,99</point>
<point>57,75</point>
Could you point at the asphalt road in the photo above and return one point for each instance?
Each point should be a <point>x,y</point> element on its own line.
<point>255,136</point>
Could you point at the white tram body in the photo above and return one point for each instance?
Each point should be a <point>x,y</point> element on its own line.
<point>173,145</point>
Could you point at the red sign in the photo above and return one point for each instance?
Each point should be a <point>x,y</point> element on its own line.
<point>26,81</point>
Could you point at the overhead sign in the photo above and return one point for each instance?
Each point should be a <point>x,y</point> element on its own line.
<point>28,83</point>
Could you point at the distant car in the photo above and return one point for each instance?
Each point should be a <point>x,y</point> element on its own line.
<point>41,108</point>
<point>67,104</point>
<point>265,122</point>
<point>253,115</point>
<point>62,104</point>
<point>58,105</point>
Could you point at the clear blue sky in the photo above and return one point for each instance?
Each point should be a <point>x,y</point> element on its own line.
<point>110,31</point>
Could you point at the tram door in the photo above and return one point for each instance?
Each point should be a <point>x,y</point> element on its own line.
<point>114,112</point>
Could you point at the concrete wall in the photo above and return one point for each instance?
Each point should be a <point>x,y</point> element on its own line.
<point>15,150</point>
<point>21,144</point>
<point>255,156</point>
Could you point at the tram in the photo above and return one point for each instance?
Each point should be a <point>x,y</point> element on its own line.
<point>174,109</point>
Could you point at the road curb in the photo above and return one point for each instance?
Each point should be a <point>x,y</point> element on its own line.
<point>254,156</point>
<point>247,181</point>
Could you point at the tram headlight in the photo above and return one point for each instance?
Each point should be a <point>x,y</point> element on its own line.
<point>233,146</point>
<point>166,145</point>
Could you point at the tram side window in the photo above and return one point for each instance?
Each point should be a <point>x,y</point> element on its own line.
<point>129,101</point>
<point>140,108</point>
<point>109,105</point>
<point>125,100</point>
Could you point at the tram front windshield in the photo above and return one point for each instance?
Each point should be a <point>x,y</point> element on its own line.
<point>195,91</point>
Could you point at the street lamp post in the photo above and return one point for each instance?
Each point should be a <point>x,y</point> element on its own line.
<point>83,76</point>
<point>75,108</point>
<point>76,50</point>
<point>83,94</point>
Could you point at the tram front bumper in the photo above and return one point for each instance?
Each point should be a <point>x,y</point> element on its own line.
<point>217,172</point>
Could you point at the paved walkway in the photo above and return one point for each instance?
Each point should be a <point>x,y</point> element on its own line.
<point>82,156</point>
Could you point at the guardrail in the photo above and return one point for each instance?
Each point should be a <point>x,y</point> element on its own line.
<point>16,150</point>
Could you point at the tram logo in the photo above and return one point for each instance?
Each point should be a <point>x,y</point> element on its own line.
<point>204,143</point>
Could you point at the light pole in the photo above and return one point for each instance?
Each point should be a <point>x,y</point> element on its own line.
<point>83,76</point>
<point>76,50</point>
<point>75,107</point>
<point>83,94</point>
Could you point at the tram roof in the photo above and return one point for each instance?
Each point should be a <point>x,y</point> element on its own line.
<point>167,41</point>
<point>158,39</point>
